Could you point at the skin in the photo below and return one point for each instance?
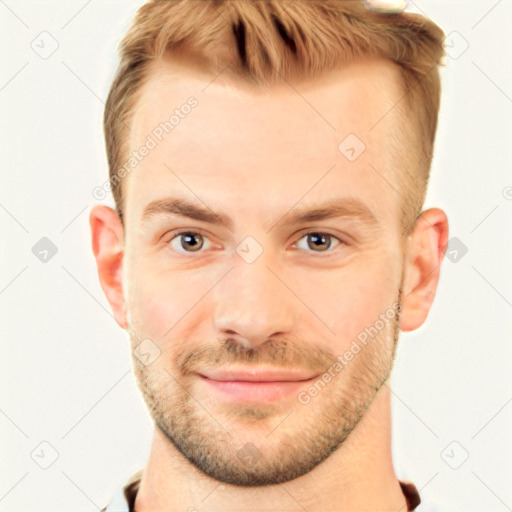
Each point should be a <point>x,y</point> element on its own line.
<point>256,156</point>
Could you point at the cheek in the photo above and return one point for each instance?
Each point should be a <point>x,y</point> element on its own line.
<point>150,314</point>
<point>353,298</point>
<point>162,305</point>
<point>151,301</point>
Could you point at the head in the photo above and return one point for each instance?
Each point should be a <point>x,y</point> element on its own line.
<point>290,145</point>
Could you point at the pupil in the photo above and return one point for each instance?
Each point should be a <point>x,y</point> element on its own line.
<point>317,237</point>
<point>186,239</point>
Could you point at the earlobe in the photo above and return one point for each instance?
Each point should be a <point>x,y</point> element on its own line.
<point>425,250</point>
<point>107,235</point>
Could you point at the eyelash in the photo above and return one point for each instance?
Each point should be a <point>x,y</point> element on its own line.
<point>328,252</point>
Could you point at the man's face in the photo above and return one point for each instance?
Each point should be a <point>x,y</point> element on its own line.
<point>267,292</point>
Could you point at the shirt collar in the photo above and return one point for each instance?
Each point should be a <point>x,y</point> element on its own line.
<point>124,498</point>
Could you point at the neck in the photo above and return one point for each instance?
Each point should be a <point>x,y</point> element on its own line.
<point>358,476</point>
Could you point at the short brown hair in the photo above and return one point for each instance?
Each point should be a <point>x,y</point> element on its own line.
<point>264,41</point>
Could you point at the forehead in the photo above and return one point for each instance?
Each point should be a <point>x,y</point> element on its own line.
<point>272,146</point>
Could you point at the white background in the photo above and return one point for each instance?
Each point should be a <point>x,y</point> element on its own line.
<point>64,363</point>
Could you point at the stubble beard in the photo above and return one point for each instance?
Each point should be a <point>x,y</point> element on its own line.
<point>284,445</point>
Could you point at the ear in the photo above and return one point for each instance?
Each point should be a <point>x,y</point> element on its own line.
<point>108,248</point>
<point>425,250</point>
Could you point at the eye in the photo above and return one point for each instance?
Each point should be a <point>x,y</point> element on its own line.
<point>188,241</point>
<point>191,241</point>
<point>318,241</point>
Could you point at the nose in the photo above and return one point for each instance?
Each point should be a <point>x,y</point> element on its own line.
<point>252,305</point>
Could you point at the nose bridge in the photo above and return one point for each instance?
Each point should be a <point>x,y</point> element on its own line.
<point>251,303</point>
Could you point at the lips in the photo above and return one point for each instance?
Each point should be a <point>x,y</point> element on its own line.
<point>257,374</point>
<point>256,384</point>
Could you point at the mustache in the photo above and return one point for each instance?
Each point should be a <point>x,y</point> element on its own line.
<point>282,354</point>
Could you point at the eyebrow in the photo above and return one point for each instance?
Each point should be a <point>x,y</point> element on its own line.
<point>350,208</point>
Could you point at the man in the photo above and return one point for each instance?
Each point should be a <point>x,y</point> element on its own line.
<point>290,145</point>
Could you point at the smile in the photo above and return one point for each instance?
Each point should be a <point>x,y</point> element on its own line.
<point>256,384</point>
